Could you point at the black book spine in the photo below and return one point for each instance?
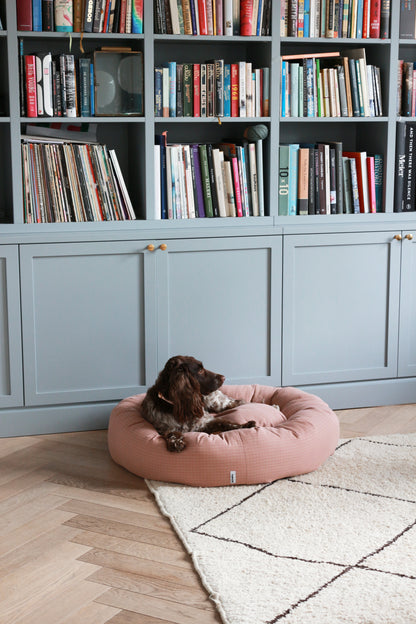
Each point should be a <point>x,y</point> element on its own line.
<point>214,196</point>
<point>400,166</point>
<point>48,17</point>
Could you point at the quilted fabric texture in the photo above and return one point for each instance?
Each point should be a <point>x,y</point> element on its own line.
<point>293,439</point>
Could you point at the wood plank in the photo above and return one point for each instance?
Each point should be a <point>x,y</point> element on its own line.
<point>158,588</point>
<point>134,548</point>
<point>119,515</point>
<point>128,617</point>
<point>126,531</point>
<point>163,609</point>
<point>18,515</point>
<point>135,565</point>
<point>92,613</point>
<point>23,482</point>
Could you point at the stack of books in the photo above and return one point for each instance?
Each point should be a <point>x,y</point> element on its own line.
<point>213,17</point>
<point>72,181</point>
<point>208,180</point>
<point>336,18</point>
<point>211,89</point>
<point>322,178</point>
<point>330,85</point>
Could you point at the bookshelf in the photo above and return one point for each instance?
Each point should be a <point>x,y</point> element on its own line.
<point>153,272</point>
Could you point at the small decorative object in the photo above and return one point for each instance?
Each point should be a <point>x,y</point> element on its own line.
<point>118,82</point>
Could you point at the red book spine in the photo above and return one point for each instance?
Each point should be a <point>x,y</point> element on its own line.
<point>234,90</point>
<point>246,17</point>
<point>31,99</point>
<point>24,14</point>
<point>123,11</point>
<point>366,9</point>
<point>371,183</point>
<point>203,20</point>
<point>375,12</point>
<point>237,189</point>
<point>197,90</point>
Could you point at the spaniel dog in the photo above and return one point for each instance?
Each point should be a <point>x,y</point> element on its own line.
<point>184,398</point>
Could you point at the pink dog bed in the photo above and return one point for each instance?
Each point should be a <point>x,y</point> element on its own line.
<point>293,439</point>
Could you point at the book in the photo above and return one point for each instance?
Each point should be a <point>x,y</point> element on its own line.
<point>283,184</point>
<point>407,19</point>
<point>63,16</point>
<point>31,95</point>
<point>360,159</point>
<point>197,174</point>
<point>89,15</point>
<point>206,184</point>
<point>24,14</point>
<point>161,142</point>
<point>44,90</point>
<point>48,15</point>
<point>246,17</point>
<point>293,178</point>
<point>303,181</point>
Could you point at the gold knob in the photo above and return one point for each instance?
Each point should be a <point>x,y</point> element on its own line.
<point>398,237</point>
<point>151,247</point>
<point>409,236</point>
<point>163,246</point>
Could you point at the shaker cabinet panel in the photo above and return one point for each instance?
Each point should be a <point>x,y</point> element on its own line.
<point>340,307</point>
<point>220,302</point>
<point>83,309</point>
<point>11,391</point>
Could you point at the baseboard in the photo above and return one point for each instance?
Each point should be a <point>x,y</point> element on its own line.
<point>366,393</point>
<point>54,419</point>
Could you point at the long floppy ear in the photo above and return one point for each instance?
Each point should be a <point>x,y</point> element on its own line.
<point>185,394</point>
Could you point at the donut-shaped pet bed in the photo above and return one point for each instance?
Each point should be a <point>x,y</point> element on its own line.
<point>292,439</point>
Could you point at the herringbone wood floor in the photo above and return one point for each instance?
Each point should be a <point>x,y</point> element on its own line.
<point>82,541</point>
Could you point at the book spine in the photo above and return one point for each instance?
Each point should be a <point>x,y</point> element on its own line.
<point>187,90</point>
<point>407,19</point>
<point>234,90</point>
<point>237,186</point>
<point>203,89</point>
<point>37,15</point>
<point>89,15</point>
<point>303,181</point>
<point>196,89</point>
<point>219,87</point>
<point>63,16</point>
<point>203,20</point>
<point>84,84</point>
<point>228,18</point>
<point>293,178</point>
<point>31,98</point>
<point>198,180</point>
<point>379,181</point>
<point>206,184</point>
<point>214,196</point>
<point>375,10</point>
<point>371,183</point>
<point>78,15</point>
<point>246,17</point>
<point>385,19</point>
<point>409,173</point>
<point>227,90</point>
<point>48,22</point>
<point>158,91</point>
<point>137,17</point>
<point>24,15</point>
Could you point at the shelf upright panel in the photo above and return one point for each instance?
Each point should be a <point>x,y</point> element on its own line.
<point>390,156</point>
<point>14,104</point>
<point>149,55</point>
<point>274,138</point>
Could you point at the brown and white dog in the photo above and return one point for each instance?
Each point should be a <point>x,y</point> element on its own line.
<point>184,398</point>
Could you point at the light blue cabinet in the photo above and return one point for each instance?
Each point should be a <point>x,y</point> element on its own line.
<point>340,307</point>
<point>88,327</point>
<point>407,337</point>
<point>11,387</point>
<point>220,300</point>
<point>101,319</point>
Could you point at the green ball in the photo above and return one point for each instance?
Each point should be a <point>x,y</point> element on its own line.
<point>254,133</point>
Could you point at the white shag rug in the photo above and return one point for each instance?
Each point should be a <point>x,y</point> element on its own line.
<point>334,546</point>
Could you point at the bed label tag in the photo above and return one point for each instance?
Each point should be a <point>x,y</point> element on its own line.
<point>233,476</point>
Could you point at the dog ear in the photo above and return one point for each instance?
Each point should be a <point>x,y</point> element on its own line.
<point>185,394</point>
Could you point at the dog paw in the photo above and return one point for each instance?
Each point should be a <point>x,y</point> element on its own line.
<point>249,424</point>
<point>175,442</point>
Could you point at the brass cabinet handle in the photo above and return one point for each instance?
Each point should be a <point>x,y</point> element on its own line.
<point>398,237</point>
<point>409,236</point>
<point>151,247</point>
<point>163,246</point>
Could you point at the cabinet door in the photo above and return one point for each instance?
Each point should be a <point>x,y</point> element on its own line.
<point>83,309</point>
<point>340,307</point>
<point>407,327</point>
<point>220,302</point>
<point>11,385</point>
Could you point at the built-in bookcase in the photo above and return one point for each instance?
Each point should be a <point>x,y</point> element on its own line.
<point>133,137</point>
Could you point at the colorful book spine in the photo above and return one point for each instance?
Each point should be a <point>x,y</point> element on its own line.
<point>246,17</point>
<point>31,99</point>
<point>64,16</point>
<point>137,17</point>
<point>293,178</point>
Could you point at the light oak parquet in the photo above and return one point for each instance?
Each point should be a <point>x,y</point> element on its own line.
<point>82,540</point>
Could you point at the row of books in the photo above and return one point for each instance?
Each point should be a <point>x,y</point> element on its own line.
<point>405,183</point>
<point>208,180</point>
<point>212,17</point>
<point>330,85</point>
<point>68,181</point>
<point>407,24</point>
<point>322,178</point>
<point>212,89</point>
<point>98,16</point>
<point>406,89</point>
<point>49,86</point>
<point>336,18</point>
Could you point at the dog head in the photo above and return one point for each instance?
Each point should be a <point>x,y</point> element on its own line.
<point>184,381</point>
